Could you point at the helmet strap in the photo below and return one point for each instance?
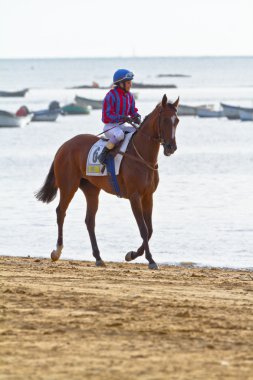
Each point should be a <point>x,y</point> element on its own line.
<point>123,87</point>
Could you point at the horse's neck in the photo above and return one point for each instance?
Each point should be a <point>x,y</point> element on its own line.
<point>146,141</point>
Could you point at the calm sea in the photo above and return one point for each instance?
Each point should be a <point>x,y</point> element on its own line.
<point>203,208</point>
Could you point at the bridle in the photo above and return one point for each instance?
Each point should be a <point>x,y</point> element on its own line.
<point>160,139</point>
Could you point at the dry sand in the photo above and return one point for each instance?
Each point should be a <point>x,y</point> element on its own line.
<point>71,320</point>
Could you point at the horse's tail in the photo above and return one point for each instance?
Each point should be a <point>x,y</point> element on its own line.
<point>49,190</point>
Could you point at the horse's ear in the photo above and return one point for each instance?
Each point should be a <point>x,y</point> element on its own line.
<point>164,101</point>
<point>176,103</point>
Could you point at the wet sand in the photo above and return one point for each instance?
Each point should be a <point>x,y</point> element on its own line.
<point>71,320</point>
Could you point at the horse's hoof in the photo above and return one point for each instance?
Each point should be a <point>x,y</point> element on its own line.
<point>128,256</point>
<point>153,266</point>
<point>100,263</point>
<point>55,255</point>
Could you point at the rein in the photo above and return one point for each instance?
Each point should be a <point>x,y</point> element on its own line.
<point>158,139</point>
<point>140,159</point>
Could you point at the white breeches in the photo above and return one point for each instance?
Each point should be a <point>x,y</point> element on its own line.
<point>115,132</point>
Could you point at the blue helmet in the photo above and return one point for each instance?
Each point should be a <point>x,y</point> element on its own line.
<point>122,75</point>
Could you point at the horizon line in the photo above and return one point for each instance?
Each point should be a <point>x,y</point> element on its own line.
<point>130,57</point>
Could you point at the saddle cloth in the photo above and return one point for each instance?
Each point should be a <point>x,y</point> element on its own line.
<point>93,166</point>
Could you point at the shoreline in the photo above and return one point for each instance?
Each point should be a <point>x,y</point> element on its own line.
<point>70,319</point>
<point>182,264</point>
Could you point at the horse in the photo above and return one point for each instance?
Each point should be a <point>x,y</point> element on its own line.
<point>138,177</point>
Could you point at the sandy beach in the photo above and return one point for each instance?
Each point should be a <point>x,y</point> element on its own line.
<point>71,320</point>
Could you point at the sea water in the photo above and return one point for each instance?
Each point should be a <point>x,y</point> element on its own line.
<point>203,207</point>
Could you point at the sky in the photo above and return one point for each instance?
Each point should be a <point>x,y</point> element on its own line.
<point>114,28</point>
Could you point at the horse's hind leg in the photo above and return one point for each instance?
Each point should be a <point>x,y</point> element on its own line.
<point>67,192</point>
<point>147,207</point>
<point>91,193</point>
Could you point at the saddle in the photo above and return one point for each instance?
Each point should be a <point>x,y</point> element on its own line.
<point>93,166</point>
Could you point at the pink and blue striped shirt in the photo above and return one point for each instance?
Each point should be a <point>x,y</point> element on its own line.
<point>117,104</point>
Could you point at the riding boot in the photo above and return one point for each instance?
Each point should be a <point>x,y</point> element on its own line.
<point>102,156</point>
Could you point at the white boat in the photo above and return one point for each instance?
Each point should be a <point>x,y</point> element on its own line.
<point>231,112</point>
<point>246,114</point>
<point>10,120</point>
<point>206,112</point>
<point>185,110</point>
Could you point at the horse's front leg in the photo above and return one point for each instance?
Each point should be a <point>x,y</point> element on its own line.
<point>147,208</point>
<point>137,209</point>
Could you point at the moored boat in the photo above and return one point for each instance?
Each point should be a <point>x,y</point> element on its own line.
<point>184,110</point>
<point>10,120</point>
<point>50,114</point>
<point>75,109</point>
<point>46,115</point>
<point>152,86</point>
<point>93,103</point>
<point>187,110</point>
<point>231,112</point>
<point>206,112</point>
<point>13,94</point>
<point>85,102</point>
<point>246,114</point>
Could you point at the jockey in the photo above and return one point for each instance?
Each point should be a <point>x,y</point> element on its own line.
<point>118,108</point>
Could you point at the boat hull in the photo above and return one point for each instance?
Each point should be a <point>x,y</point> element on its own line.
<point>246,114</point>
<point>85,102</point>
<point>12,121</point>
<point>231,112</point>
<point>205,112</point>
<point>45,116</point>
<point>75,109</point>
<point>14,94</point>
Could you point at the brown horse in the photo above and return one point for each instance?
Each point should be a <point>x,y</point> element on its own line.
<point>138,177</point>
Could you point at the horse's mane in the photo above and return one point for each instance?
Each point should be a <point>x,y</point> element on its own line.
<point>150,114</point>
<point>169,104</point>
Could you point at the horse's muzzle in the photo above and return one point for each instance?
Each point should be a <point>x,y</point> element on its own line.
<point>169,149</point>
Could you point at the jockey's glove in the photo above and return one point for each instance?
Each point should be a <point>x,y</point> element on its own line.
<point>126,119</point>
<point>137,119</point>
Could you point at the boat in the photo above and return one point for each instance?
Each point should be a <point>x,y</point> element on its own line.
<point>13,94</point>
<point>231,112</point>
<point>46,115</point>
<point>84,102</point>
<point>75,109</point>
<point>186,110</point>
<point>134,85</point>
<point>173,76</point>
<point>94,104</point>
<point>207,112</point>
<point>246,114</point>
<point>50,114</point>
<point>152,86</point>
<point>10,120</point>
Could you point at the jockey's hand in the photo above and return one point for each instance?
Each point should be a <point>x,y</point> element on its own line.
<point>126,119</point>
<point>137,119</point>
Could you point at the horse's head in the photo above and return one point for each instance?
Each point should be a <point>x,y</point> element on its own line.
<point>167,124</point>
